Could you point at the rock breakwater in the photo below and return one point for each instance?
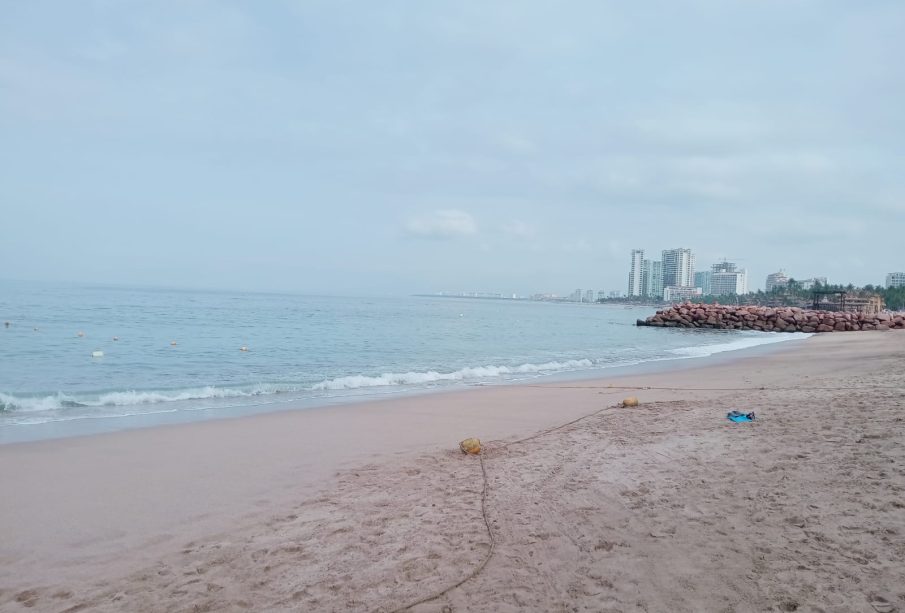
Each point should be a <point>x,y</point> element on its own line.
<point>769,319</point>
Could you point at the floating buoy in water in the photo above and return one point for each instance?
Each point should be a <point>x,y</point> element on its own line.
<point>80,334</point>
<point>470,446</point>
<point>6,324</point>
<point>116,338</point>
<point>172,343</point>
<point>243,348</point>
<point>631,401</point>
<point>35,329</point>
<point>97,354</point>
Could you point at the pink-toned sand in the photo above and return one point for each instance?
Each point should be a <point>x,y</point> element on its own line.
<point>664,507</point>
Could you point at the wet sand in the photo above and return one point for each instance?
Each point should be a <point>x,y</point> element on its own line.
<point>371,507</point>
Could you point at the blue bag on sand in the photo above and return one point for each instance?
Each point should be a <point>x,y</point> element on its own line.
<point>738,416</point>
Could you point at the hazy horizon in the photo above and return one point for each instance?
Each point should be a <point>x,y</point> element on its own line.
<point>361,149</point>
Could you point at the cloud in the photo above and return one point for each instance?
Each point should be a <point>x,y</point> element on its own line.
<point>402,118</point>
<point>581,246</point>
<point>515,144</point>
<point>442,225</point>
<point>519,229</point>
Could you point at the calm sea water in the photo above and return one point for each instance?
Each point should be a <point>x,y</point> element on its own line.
<point>178,354</point>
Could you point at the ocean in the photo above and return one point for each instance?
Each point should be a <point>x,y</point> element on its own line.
<point>86,359</point>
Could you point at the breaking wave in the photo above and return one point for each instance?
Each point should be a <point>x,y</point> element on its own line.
<point>128,398</point>
<point>755,339</point>
<point>464,374</point>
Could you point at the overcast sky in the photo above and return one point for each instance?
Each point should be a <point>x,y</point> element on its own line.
<point>397,147</point>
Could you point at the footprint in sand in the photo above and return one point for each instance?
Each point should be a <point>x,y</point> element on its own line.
<point>27,598</point>
<point>881,605</point>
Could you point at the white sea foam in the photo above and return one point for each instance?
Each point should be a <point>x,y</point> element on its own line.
<point>52,402</point>
<point>55,402</point>
<point>764,338</point>
<point>153,397</point>
<point>432,376</point>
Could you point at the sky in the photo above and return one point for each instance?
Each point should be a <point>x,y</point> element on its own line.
<point>398,147</point>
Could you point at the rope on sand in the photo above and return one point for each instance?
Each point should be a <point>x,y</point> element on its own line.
<point>474,573</point>
<point>559,427</point>
<point>480,566</point>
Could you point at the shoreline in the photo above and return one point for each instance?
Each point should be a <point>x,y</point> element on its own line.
<point>118,521</point>
<point>97,425</point>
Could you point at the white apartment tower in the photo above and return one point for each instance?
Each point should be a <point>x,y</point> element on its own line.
<point>727,280</point>
<point>895,279</point>
<point>645,278</point>
<point>655,290</point>
<point>777,280</point>
<point>634,277</point>
<point>678,268</point>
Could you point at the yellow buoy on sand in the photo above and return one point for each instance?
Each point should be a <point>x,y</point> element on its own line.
<point>470,446</point>
<point>631,401</point>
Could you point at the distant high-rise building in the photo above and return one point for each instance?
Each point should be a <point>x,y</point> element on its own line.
<point>895,279</point>
<point>634,277</point>
<point>589,295</point>
<point>724,266</point>
<point>702,280</point>
<point>645,278</point>
<point>776,280</point>
<point>575,296</point>
<point>678,268</point>
<point>727,280</point>
<point>601,296</point>
<point>655,289</point>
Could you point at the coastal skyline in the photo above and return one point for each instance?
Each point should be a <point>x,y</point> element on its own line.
<point>394,149</point>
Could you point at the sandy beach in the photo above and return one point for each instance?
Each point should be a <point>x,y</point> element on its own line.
<point>576,504</point>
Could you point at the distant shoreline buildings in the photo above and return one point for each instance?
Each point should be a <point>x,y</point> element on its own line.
<point>779,280</point>
<point>776,280</point>
<point>673,277</point>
